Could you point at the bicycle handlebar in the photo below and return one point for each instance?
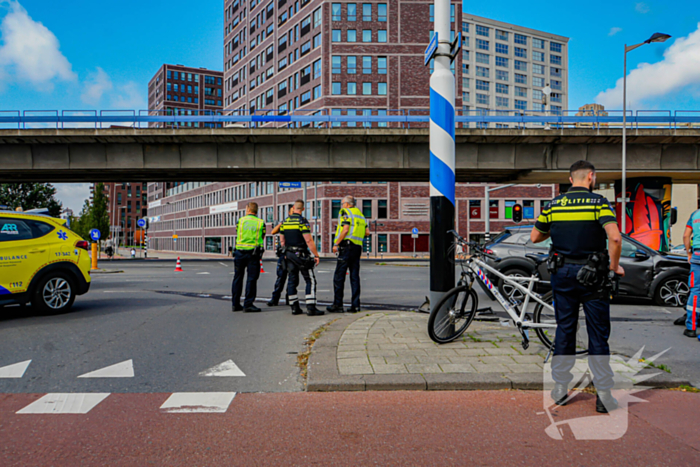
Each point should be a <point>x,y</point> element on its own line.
<point>474,245</point>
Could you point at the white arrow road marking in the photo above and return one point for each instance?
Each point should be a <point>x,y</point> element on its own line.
<point>64,403</point>
<point>223,264</point>
<point>124,369</point>
<point>199,273</point>
<point>16,370</point>
<point>228,368</point>
<point>198,402</point>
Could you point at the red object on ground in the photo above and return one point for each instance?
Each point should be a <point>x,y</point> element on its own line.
<point>262,270</point>
<point>365,428</point>
<point>178,267</point>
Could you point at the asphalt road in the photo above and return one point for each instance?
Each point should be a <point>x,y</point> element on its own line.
<point>172,327</point>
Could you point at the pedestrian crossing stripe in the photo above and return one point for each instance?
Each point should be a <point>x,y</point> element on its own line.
<point>198,402</point>
<point>61,403</point>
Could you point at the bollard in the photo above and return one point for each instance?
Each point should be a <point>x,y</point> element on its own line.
<point>94,256</point>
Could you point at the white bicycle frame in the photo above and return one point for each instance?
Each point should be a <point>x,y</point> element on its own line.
<point>519,319</point>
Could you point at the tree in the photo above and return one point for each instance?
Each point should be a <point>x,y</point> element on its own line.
<point>99,218</point>
<point>81,224</point>
<point>30,196</point>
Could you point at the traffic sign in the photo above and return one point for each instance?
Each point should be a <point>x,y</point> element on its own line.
<point>290,184</point>
<point>175,236</point>
<point>432,47</point>
<point>141,223</point>
<point>95,235</point>
<point>414,231</point>
<point>455,47</point>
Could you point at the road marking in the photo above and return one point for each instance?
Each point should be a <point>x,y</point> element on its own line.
<point>198,402</point>
<point>225,265</point>
<point>202,273</point>
<point>16,370</point>
<point>228,368</point>
<point>124,369</point>
<point>665,310</point>
<point>64,403</point>
<point>227,297</point>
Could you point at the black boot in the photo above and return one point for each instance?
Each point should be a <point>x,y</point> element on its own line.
<point>273,302</point>
<point>560,393</point>
<point>605,402</point>
<point>235,308</point>
<point>334,309</point>
<point>680,321</point>
<point>311,310</point>
<point>690,333</point>
<point>352,310</point>
<point>251,309</point>
<point>296,309</point>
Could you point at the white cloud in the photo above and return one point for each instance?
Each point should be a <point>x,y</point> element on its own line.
<point>29,51</point>
<point>614,31</point>
<point>642,7</point>
<point>679,70</point>
<point>96,86</point>
<point>73,195</point>
<point>129,97</point>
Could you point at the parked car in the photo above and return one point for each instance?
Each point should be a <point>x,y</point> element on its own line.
<point>41,261</point>
<point>660,276</point>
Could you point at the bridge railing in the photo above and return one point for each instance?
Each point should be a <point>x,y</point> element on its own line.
<point>345,118</point>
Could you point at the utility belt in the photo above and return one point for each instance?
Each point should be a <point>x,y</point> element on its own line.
<point>258,251</point>
<point>595,272</point>
<point>300,256</point>
<point>281,251</point>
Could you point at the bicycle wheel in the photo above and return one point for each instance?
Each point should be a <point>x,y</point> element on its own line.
<point>543,315</point>
<point>452,315</point>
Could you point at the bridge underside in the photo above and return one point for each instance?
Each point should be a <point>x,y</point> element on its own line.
<point>493,155</point>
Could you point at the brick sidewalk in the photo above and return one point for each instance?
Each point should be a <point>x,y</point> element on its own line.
<point>392,350</point>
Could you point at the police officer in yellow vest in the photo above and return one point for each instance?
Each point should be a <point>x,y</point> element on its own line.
<point>351,232</point>
<point>249,250</point>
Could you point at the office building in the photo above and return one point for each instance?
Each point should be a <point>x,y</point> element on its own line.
<point>181,90</point>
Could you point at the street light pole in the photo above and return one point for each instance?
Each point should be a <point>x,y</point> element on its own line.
<point>656,37</point>
<point>487,235</point>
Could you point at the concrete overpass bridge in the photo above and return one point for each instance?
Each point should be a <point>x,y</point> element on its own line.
<point>525,155</point>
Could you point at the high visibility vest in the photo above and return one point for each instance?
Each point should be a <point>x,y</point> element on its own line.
<point>358,226</point>
<point>250,233</point>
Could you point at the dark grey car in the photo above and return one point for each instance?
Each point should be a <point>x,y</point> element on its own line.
<point>648,274</point>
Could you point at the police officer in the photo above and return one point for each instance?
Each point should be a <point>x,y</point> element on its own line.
<point>249,249</point>
<point>281,269</point>
<point>297,243</point>
<point>691,237</point>
<point>579,222</point>
<point>351,232</point>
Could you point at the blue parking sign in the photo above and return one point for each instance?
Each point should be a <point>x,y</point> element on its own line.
<point>95,234</point>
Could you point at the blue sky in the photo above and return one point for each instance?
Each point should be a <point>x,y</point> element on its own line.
<point>87,54</point>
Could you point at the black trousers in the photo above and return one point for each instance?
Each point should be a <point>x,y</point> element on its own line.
<point>569,294</point>
<point>281,278</point>
<point>245,260</point>
<point>348,258</point>
<point>294,267</point>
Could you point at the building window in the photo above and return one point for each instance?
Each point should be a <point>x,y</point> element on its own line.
<point>528,209</point>
<point>482,58</point>
<point>335,64</point>
<point>482,71</point>
<point>555,72</point>
<point>520,39</point>
<point>520,105</point>
<point>381,65</point>
<point>352,11</point>
<point>482,44</point>
<point>482,85</point>
<point>501,35</point>
<point>318,17</point>
<point>500,48</point>
<point>335,89</point>
<point>367,12</point>
<point>556,97</point>
<point>482,31</point>
<point>381,35</point>
<point>335,12</point>
<point>555,59</point>
<point>521,66</point>
<point>536,95</point>
<point>317,40</point>
<point>352,35</point>
<point>306,97</point>
<point>482,99</point>
<point>335,37</point>
<point>381,89</point>
<point>538,56</point>
<point>352,64</point>
<point>501,101</point>
<point>520,52</point>
<point>538,43</point>
<point>501,75</point>
<point>366,35</point>
<point>501,88</point>
<point>382,243</point>
<point>555,47</point>
<point>382,209</point>
<point>367,208</point>
<point>520,92</point>
<point>352,88</point>
<point>556,85</point>
<point>366,65</point>
<point>493,209</point>
<point>317,92</point>
<point>367,89</point>
<point>381,12</point>
<point>475,209</point>
<point>538,81</point>
<point>538,69</point>
<point>502,61</point>
<point>335,208</point>
<point>317,68</point>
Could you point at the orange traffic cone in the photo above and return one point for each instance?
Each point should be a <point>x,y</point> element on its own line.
<point>178,267</point>
<point>262,270</point>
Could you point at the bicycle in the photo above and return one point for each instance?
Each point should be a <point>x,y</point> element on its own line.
<point>455,311</point>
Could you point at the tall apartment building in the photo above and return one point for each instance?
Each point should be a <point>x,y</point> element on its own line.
<point>126,204</point>
<point>204,215</point>
<point>181,90</point>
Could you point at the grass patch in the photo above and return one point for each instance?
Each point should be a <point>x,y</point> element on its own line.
<point>303,357</point>
<point>474,339</point>
<point>685,388</point>
<point>658,366</point>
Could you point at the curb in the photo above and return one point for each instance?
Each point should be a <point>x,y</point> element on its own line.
<point>105,271</point>
<point>323,374</point>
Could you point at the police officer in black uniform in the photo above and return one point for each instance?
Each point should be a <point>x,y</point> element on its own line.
<point>297,243</point>
<point>579,222</point>
<point>281,270</point>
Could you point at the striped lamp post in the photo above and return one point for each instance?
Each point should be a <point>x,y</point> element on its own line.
<point>442,159</point>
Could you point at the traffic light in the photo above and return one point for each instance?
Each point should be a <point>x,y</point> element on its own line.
<point>517,213</point>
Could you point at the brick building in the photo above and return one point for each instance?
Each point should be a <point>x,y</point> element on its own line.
<point>204,215</point>
<point>181,90</point>
<point>126,204</point>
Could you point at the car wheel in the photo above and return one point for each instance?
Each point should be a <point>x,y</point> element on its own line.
<point>673,291</point>
<point>54,293</point>
<point>509,291</point>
